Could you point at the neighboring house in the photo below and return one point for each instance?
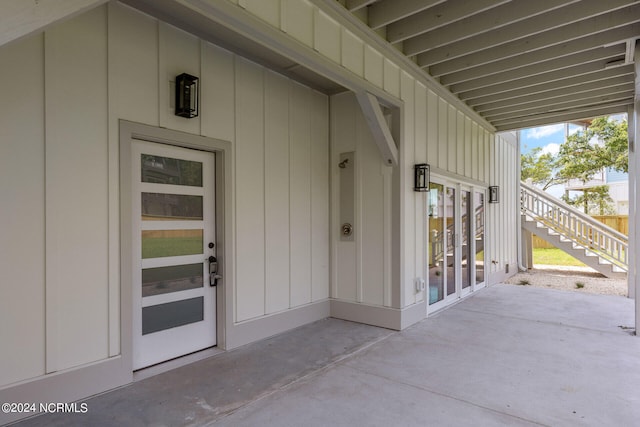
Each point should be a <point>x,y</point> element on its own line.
<point>131,235</point>
<point>618,183</point>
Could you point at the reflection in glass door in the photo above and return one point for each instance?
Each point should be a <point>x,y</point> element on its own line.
<point>442,239</point>
<point>465,250</point>
<point>452,240</point>
<point>479,235</point>
<point>455,242</point>
<point>437,241</point>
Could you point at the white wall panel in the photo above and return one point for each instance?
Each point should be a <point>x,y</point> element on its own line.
<point>319,196</point>
<point>326,36</point>
<point>371,236</point>
<point>267,10</point>
<point>373,66</point>
<point>467,147</point>
<point>298,20</point>
<point>443,139</point>
<point>300,193</point>
<point>407,94</point>
<point>420,120</point>
<point>22,232</point>
<point>452,143</point>
<point>460,143</point>
<point>475,133</point>
<point>133,95</point>
<point>343,140</point>
<point>421,123</point>
<point>352,52</point>
<point>432,128</point>
<point>179,52</point>
<point>77,191</point>
<point>249,176</point>
<point>276,184</point>
<point>392,78</point>
<point>217,86</point>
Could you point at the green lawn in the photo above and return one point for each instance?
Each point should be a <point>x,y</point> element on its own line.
<point>554,256</point>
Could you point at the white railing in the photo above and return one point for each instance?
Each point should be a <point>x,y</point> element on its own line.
<point>569,222</point>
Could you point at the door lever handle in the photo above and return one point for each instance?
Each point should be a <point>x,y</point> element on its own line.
<point>213,271</point>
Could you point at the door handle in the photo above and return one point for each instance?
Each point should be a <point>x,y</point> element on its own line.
<point>213,271</point>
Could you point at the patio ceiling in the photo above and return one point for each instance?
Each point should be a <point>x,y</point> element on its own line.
<point>518,63</point>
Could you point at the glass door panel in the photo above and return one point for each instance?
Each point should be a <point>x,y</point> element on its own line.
<point>465,244</point>
<point>451,237</point>
<point>436,242</point>
<point>479,235</point>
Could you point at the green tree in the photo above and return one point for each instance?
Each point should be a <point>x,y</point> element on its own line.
<point>604,144</point>
<point>593,200</point>
<point>539,168</point>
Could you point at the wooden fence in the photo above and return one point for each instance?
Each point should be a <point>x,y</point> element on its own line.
<point>617,222</point>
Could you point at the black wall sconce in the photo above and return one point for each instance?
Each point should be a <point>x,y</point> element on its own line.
<point>421,177</point>
<point>187,90</point>
<point>494,194</point>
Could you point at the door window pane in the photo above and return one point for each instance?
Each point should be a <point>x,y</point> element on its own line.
<point>166,170</point>
<point>479,219</point>
<point>158,206</point>
<point>163,280</point>
<point>450,211</point>
<point>465,261</point>
<point>436,242</point>
<point>159,317</point>
<point>163,243</point>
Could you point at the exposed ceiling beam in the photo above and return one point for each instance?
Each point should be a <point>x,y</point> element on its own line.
<point>353,5</point>
<point>560,116</point>
<point>437,16</point>
<point>568,105</point>
<point>477,53</point>
<point>550,98</point>
<point>387,11</point>
<point>557,50</point>
<point>482,96</point>
<point>490,20</point>
<point>545,78</point>
<point>472,79</point>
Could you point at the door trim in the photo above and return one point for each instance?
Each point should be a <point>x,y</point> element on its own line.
<point>130,131</point>
<point>460,293</point>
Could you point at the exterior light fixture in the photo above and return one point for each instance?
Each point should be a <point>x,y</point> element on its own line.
<point>187,90</point>
<point>421,177</point>
<point>494,194</point>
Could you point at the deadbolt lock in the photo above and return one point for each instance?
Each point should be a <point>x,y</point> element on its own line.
<point>347,229</point>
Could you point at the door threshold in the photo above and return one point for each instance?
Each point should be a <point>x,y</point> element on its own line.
<point>175,363</point>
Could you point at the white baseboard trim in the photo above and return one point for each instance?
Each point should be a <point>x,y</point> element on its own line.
<point>66,386</point>
<point>384,317</point>
<point>266,326</point>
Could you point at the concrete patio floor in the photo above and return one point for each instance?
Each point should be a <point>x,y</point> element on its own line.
<point>508,355</point>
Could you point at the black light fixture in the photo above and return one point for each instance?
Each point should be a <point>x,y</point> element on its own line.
<point>494,194</point>
<point>187,90</point>
<point>421,177</point>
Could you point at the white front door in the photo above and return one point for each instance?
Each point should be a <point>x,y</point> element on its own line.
<point>174,299</point>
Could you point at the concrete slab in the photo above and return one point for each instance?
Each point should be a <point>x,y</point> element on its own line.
<point>206,390</point>
<point>508,355</point>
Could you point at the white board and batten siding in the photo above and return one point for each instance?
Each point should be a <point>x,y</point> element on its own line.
<point>62,266</point>
<point>435,130</point>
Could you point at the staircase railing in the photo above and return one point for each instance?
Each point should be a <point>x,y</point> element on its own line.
<point>569,222</point>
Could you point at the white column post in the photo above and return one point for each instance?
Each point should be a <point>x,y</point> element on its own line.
<point>634,181</point>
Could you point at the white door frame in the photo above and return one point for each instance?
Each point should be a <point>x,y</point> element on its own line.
<point>459,293</point>
<point>129,132</point>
